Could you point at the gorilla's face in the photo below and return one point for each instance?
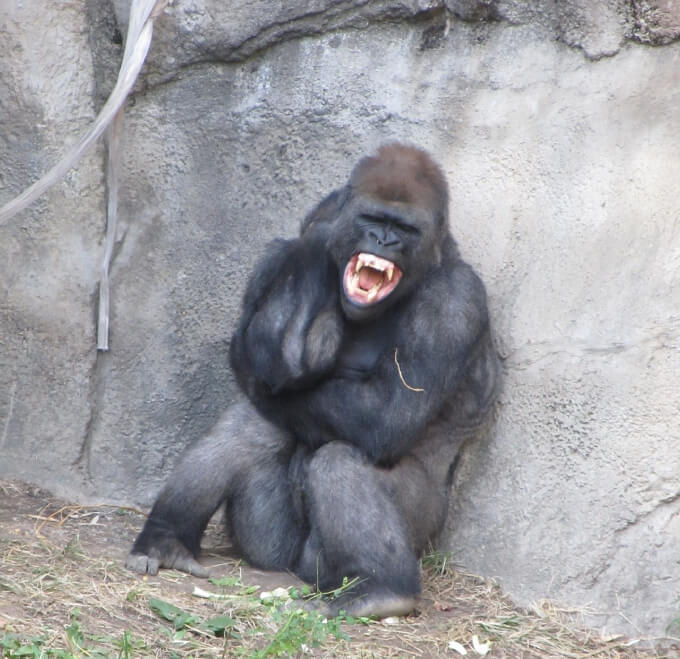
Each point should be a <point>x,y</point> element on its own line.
<point>382,251</point>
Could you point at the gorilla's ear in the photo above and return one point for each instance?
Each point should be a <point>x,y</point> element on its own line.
<point>437,254</point>
<point>326,211</point>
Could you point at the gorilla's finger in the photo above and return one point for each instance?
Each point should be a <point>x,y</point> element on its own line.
<point>142,564</point>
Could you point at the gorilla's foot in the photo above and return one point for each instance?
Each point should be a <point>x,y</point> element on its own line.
<point>378,603</point>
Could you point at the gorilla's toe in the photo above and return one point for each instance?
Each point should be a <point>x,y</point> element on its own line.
<point>144,564</point>
<point>378,603</point>
<point>190,565</point>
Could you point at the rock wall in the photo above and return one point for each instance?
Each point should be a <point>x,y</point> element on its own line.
<point>557,124</point>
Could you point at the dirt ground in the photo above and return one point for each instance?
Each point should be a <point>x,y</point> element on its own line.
<point>65,593</point>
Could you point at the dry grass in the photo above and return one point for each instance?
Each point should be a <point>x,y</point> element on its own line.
<point>64,592</point>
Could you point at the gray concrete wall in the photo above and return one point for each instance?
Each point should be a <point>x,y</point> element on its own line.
<point>558,125</point>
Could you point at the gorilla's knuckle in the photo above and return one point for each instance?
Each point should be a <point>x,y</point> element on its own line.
<point>142,564</point>
<point>136,563</point>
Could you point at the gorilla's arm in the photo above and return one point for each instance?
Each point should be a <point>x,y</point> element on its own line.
<point>442,335</point>
<point>290,328</point>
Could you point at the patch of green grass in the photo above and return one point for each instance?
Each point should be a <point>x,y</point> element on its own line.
<point>77,644</point>
<point>13,645</point>
<point>673,628</point>
<point>305,592</point>
<point>74,633</point>
<point>438,562</point>
<point>226,582</point>
<point>127,646</point>
<point>300,630</point>
<point>234,582</point>
<point>178,617</point>
<point>300,593</point>
<point>283,631</point>
<point>217,625</point>
<point>73,549</point>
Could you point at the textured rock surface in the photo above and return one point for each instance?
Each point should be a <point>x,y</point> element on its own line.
<point>558,128</point>
<point>49,254</point>
<point>657,21</point>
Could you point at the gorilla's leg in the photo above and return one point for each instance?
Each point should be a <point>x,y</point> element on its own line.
<point>265,516</point>
<point>420,483</point>
<point>420,498</point>
<point>357,530</point>
<point>241,460</point>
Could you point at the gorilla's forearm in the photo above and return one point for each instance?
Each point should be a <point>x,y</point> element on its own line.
<point>418,373</point>
<point>383,427</point>
<point>385,415</point>
<point>391,379</point>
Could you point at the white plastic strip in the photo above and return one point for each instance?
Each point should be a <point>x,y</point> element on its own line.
<point>137,42</point>
<point>112,168</point>
<point>136,47</point>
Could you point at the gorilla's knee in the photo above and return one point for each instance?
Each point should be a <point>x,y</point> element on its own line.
<point>338,471</point>
<point>357,527</point>
<point>338,451</point>
<point>334,457</point>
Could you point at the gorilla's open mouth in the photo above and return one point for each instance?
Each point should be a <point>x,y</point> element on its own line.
<point>369,278</point>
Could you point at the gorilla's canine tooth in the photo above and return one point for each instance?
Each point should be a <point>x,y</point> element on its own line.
<point>390,273</point>
<point>355,281</point>
<point>374,291</point>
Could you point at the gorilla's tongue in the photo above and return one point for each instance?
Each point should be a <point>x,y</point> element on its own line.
<point>368,278</point>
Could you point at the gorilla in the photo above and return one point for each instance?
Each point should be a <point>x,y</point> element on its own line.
<point>365,357</point>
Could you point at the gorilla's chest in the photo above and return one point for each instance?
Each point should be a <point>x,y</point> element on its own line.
<point>362,347</point>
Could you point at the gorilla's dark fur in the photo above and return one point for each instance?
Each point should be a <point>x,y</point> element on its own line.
<point>365,357</point>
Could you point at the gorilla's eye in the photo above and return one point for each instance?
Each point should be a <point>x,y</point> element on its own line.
<point>368,278</point>
<point>388,222</point>
<point>408,228</point>
<point>365,222</point>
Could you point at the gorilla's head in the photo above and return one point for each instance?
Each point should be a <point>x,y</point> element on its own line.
<point>392,219</point>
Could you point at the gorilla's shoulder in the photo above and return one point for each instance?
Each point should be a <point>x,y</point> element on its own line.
<point>455,298</point>
<point>458,281</point>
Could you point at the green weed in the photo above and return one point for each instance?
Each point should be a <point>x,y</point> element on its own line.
<point>437,562</point>
<point>300,630</point>
<point>13,646</point>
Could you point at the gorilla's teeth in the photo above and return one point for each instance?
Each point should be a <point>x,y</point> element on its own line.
<point>390,273</point>
<point>373,292</point>
<point>355,280</point>
<point>372,261</point>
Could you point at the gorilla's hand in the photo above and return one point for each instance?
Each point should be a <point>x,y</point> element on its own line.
<point>291,327</point>
<point>157,547</point>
